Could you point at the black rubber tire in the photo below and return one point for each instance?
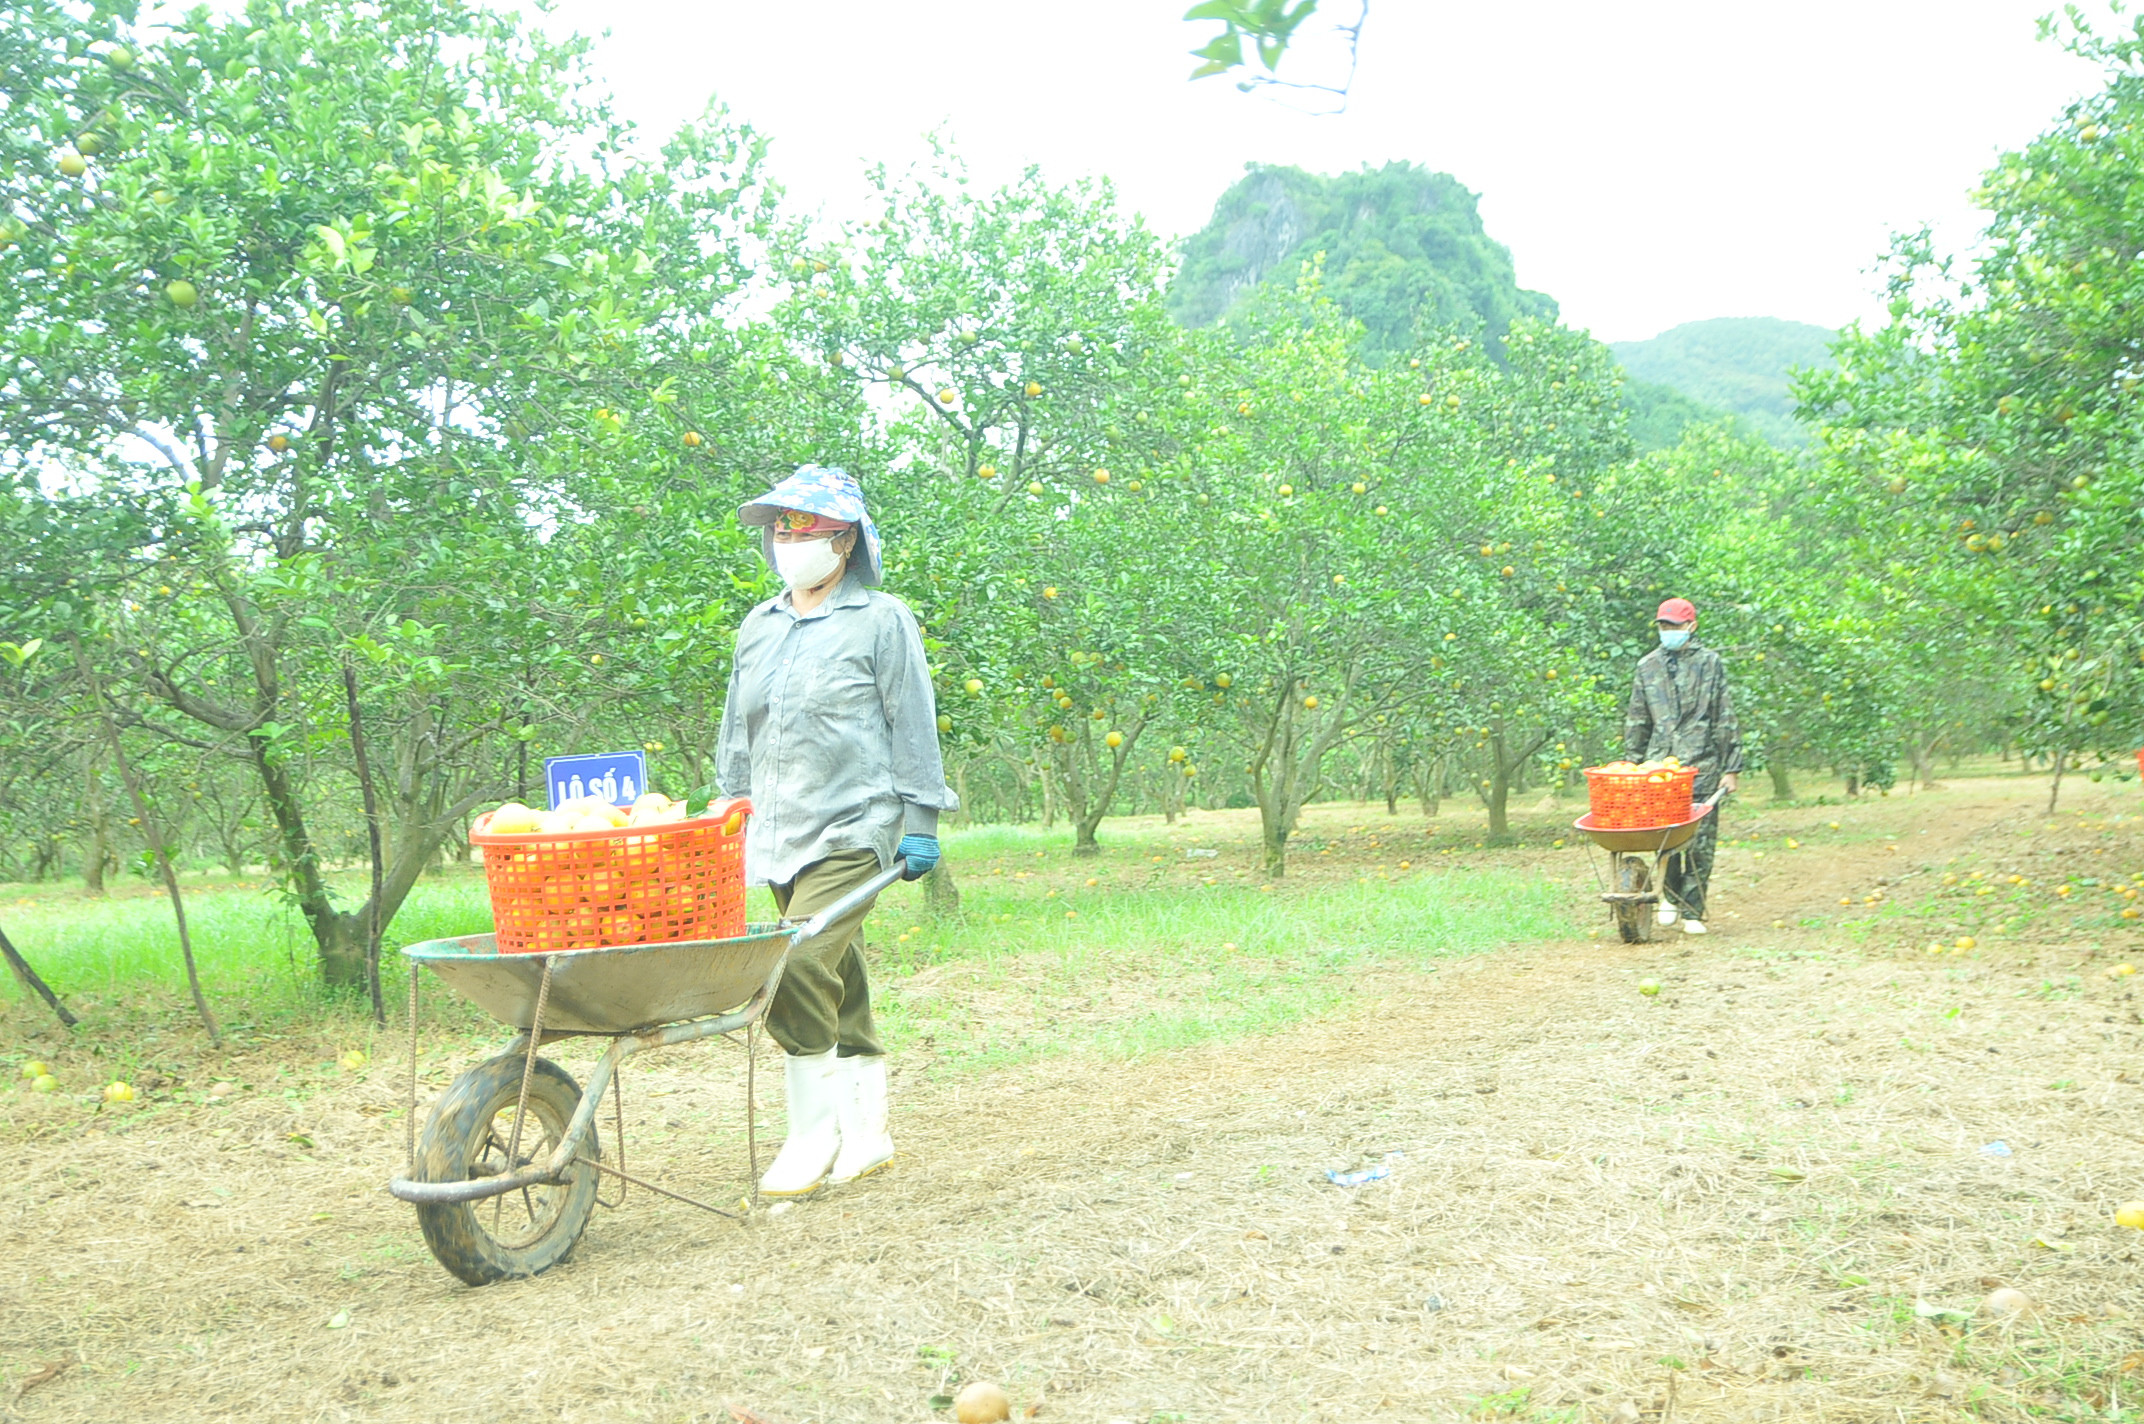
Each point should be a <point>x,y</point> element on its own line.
<point>461,1233</point>
<point>1633,918</point>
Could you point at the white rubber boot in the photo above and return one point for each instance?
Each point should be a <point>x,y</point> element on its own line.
<point>814,1137</point>
<point>1666,915</point>
<point>866,1138</point>
<point>1694,927</point>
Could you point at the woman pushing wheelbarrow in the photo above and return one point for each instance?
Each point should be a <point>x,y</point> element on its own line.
<point>831,729</point>
<point>631,927</point>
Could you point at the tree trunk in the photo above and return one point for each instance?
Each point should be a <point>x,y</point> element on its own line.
<point>371,947</point>
<point>1426,776</point>
<point>1072,795</point>
<point>1920,758</point>
<point>1499,801</point>
<point>1092,789</point>
<point>338,938</point>
<point>1176,789</point>
<point>1499,797</point>
<point>941,897</point>
<point>1049,798</point>
<point>2054,788</point>
<point>1782,788</point>
<point>99,850</point>
<point>152,831</point>
<point>1119,756</point>
<point>1274,784</point>
<point>31,983</point>
<point>1273,843</point>
<point>1287,773</point>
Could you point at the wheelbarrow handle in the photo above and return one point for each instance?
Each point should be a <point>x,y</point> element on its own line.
<point>812,928</point>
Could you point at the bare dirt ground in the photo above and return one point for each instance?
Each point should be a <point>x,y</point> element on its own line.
<point>1782,1188</point>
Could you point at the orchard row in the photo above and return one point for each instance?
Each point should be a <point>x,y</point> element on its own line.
<point>424,415</point>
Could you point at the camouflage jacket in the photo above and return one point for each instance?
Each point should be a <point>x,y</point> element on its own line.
<point>1679,708</point>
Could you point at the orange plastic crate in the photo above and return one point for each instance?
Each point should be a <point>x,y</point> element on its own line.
<point>1636,800</point>
<point>639,885</point>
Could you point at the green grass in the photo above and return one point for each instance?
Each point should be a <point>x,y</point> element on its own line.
<point>1147,960</point>
<point>256,957</point>
<point>1140,967</point>
<point>241,936</point>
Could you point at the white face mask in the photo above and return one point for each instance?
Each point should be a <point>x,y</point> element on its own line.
<point>806,565</point>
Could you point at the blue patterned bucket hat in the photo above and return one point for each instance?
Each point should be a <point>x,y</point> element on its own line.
<point>827,491</point>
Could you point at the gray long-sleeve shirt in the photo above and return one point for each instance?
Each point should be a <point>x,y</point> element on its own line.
<point>831,727</point>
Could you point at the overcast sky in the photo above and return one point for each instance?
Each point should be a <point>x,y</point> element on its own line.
<point>1646,163</point>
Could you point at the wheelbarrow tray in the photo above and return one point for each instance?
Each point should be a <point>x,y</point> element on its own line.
<point>617,989</point>
<point>1644,838</point>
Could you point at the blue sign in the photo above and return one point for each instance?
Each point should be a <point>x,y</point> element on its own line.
<point>619,778</point>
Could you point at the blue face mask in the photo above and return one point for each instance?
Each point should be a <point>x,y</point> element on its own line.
<point>1673,638</point>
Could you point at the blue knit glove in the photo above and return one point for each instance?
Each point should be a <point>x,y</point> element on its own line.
<point>921,853</point>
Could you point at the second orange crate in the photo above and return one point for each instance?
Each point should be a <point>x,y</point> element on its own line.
<point>1635,800</point>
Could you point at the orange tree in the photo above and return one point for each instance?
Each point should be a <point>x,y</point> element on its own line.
<point>1836,655</point>
<point>991,332</point>
<point>1291,580</point>
<point>1725,521</point>
<point>349,379</point>
<point>1002,340</point>
<point>1999,418</point>
<point>1513,461</point>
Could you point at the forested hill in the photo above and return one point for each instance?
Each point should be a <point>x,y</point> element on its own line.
<point>1401,244</point>
<point>1735,364</point>
<point>1405,250</point>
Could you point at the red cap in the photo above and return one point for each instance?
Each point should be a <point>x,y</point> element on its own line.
<point>1676,610</point>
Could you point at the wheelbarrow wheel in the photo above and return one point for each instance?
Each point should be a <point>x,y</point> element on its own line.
<point>1633,918</point>
<point>523,1232</point>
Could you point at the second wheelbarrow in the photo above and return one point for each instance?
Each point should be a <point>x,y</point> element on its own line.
<point>1637,866</point>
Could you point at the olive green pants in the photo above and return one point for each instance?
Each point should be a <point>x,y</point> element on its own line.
<point>824,1001</point>
<point>1689,873</point>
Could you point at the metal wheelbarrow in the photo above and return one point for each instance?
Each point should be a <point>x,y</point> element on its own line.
<point>1637,866</point>
<point>504,1174</point>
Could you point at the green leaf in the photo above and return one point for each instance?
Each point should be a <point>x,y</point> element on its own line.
<point>1223,52</point>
